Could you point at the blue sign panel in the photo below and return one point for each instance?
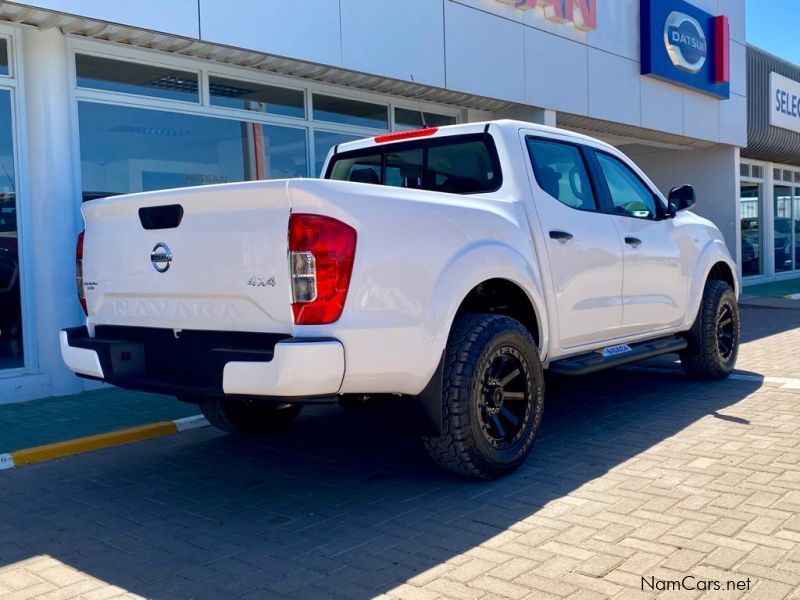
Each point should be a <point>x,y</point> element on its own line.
<point>686,46</point>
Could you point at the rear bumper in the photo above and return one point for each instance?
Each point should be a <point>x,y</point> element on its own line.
<point>207,363</point>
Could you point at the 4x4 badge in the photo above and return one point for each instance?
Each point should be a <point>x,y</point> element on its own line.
<point>256,281</point>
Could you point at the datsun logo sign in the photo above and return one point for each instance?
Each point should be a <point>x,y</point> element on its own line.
<point>686,43</point>
<point>687,46</point>
<point>581,13</point>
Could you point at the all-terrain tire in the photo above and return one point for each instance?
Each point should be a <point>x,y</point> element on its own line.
<point>470,444</point>
<point>248,417</point>
<point>714,337</point>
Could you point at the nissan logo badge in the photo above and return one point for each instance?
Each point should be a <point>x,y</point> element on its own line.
<point>161,257</point>
<point>686,42</point>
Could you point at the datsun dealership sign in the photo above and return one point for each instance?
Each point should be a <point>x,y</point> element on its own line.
<point>784,94</point>
<point>581,13</point>
<point>686,46</point>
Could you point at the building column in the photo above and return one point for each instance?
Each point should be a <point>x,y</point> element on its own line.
<point>540,116</point>
<point>53,199</point>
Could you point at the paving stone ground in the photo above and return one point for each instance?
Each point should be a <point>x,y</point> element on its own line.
<point>28,424</point>
<point>636,473</point>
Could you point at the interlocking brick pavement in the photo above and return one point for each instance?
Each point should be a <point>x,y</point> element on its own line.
<point>635,474</point>
<point>28,424</point>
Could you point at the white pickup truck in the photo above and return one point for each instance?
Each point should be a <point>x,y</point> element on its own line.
<point>446,267</point>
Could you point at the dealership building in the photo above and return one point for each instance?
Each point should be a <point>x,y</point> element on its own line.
<point>102,98</point>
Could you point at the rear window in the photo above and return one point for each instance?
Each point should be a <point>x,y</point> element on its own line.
<point>459,164</point>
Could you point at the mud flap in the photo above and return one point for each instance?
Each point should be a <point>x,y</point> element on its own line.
<point>428,405</point>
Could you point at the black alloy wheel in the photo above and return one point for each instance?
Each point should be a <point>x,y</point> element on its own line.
<point>505,409</point>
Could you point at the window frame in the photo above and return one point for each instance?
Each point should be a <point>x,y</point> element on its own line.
<point>206,69</point>
<point>600,207</point>
<point>202,82</point>
<point>426,144</point>
<point>608,200</point>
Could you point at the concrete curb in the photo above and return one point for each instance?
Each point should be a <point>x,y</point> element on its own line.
<point>47,452</point>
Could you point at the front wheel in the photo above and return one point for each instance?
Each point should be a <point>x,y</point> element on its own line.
<point>492,395</point>
<point>248,417</point>
<point>714,337</point>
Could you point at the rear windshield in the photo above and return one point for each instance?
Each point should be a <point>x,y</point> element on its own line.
<point>458,164</point>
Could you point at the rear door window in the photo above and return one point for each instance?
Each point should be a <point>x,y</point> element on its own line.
<point>560,171</point>
<point>459,164</point>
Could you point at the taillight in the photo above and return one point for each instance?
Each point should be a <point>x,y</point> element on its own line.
<point>79,272</point>
<point>321,254</point>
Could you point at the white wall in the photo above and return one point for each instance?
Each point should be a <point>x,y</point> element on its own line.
<point>178,17</point>
<point>482,47</point>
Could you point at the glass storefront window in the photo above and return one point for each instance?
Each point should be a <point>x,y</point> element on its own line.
<point>125,149</point>
<point>5,69</point>
<point>783,229</point>
<point>11,355</point>
<point>323,142</point>
<point>412,119</point>
<point>134,78</point>
<point>245,95</point>
<point>750,206</point>
<point>350,112</point>
<point>796,228</point>
<point>285,152</point>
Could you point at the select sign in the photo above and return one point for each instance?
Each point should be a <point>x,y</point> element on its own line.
<point>784,102</point>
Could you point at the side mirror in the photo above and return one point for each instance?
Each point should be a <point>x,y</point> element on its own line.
<point>681,198</point>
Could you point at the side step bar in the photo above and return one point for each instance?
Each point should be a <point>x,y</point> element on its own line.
<point>616,356</point>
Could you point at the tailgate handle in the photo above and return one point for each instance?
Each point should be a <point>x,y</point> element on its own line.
<point>161,217</point>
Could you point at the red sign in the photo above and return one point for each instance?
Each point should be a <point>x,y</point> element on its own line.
<point>581,13</point>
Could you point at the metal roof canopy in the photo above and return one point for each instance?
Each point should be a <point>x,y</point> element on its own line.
<point>765,142</point>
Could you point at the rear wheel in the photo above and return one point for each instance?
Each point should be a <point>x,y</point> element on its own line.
<point>714,337</point>
<point>493,396</point>
<point>249,417</point>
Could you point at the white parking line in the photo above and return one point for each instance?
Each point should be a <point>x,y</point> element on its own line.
<point>786,383</point>
<point>187,423</point>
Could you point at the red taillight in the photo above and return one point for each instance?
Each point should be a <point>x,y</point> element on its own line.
<point>321,254</point>
<point>406,135</point>
<point>79,272</point>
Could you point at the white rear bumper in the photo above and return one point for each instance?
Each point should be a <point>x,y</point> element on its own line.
<point>80,360</point>
<point>297,369</point>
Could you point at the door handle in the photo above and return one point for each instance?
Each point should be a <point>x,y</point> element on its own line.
<point>632,241</point>
<point>561,236</point>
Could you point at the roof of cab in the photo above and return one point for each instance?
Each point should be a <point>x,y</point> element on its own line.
<point>465,128</point>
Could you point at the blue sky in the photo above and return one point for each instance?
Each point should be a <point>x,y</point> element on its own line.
<point>772,25</point>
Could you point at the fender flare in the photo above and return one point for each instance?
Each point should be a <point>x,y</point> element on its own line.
<point>476,263</point>
<point>714,252</point>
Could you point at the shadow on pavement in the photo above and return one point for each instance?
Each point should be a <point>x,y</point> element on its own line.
<point>344,504</point>
<point>758,322</point>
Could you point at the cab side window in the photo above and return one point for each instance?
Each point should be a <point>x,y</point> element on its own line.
<point>560,171</point>
<point>629,195</point>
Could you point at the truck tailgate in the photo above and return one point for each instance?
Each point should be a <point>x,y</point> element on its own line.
<point>228,269</point>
